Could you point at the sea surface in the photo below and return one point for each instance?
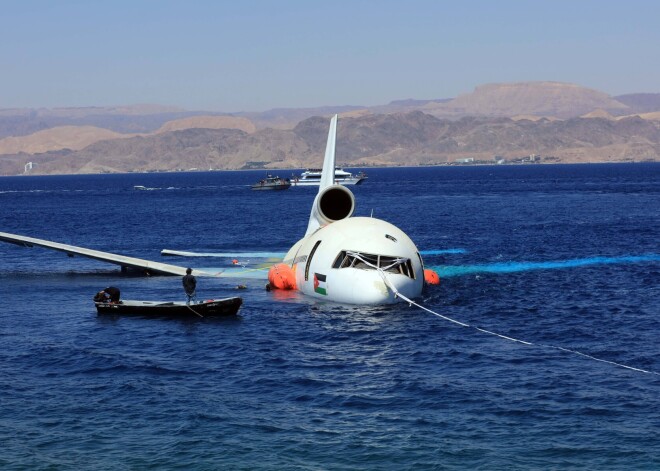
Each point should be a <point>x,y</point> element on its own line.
<point>563,257</point>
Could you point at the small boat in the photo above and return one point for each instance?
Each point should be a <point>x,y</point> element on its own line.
<point>272,183</point>
<point>312,177</point>
<point>208,308</point>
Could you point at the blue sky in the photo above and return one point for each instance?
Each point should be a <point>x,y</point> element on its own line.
<point>253,55</point>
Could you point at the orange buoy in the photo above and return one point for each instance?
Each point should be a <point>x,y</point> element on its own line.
<point>235,262</point>
<point>431,277</point>
<point>281,276</point>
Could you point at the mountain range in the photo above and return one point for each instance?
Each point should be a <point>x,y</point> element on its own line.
<point>549,121</point>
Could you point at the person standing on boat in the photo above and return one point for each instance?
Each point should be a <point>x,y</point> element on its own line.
<point>189,285</point>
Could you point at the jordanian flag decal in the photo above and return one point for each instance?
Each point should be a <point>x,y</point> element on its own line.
<point>319,284</point>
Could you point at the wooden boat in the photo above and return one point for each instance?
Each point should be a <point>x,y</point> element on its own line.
<point>272,183</point>
<point>208,308</point>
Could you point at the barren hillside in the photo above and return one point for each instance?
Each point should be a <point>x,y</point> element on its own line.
<point>558,122</point>
<point>208,122</point>
<point>552,99</point>
<point>373,140</point>
<point>62,137</point>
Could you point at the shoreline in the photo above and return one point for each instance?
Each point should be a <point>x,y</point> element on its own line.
<point>353,168</point>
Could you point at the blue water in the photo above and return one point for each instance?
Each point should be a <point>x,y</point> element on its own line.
<point>562,256</point>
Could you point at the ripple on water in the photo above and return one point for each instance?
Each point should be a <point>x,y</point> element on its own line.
<point>296,384</point>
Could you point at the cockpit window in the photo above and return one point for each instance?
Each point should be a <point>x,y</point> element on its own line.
<point>365,261</point>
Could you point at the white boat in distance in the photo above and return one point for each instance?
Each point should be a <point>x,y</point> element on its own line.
<point>312,177</point>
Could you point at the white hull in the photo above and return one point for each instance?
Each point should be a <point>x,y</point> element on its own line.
<point>313,178</point>
<point>339,181</point>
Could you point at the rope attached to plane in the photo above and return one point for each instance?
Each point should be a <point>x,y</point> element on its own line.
<point>383,275</point>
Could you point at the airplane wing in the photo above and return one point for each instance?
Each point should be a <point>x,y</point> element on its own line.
<point>239,255</point>
<point>148,267</point>
<point>279,255</point>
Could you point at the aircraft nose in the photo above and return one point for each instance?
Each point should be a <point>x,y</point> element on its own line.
<point>375,288</point>
<point>405,286</point>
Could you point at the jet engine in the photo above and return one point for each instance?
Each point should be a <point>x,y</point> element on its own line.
<point>334,203</point>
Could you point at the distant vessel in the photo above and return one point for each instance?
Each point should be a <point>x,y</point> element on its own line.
<point>272,183</point>
<point>312,176</point>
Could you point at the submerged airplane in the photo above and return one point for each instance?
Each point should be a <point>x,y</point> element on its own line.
<point>344,259</point>
<point>353,260</point>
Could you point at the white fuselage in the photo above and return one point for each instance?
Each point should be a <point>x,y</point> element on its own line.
<point>338,262</point>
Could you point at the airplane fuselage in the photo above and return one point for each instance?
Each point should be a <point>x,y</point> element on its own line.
<point>357,260</point>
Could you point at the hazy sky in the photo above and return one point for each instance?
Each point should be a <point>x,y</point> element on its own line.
<point>252,55</point>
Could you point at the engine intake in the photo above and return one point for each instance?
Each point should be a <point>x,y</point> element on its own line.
<point>333,204</point>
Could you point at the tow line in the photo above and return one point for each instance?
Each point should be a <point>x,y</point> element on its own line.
<point>505,337</point>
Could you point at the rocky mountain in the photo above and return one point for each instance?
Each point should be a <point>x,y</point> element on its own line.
<point>558,121</point>
<point>543,99</point>
<point>208,122</point>
<point>79,137</point>
<point>125,119</point>
<point>287,118</point>
<point>413,138</point>
<point>551,99</point>
<point>62,137</point>
<point>640,102</point>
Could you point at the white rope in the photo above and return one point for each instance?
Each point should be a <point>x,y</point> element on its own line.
<point>381,271</point>
<point>196,313</point>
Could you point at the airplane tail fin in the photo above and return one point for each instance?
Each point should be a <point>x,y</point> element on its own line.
<point>328,172</point>
<point>332,202</point>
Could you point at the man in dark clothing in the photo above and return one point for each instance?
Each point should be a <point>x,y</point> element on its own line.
<point>108,295</point>
<point>189,285</point>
